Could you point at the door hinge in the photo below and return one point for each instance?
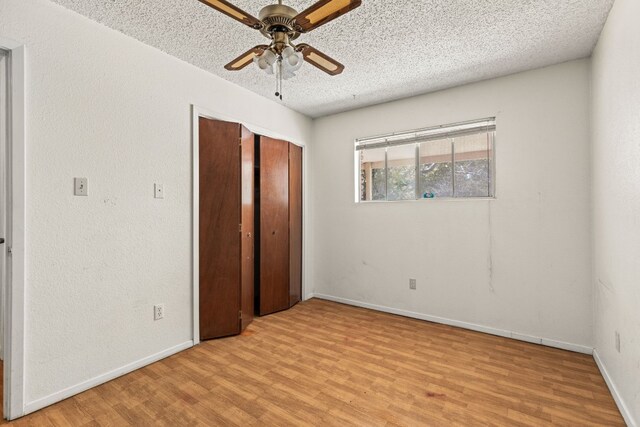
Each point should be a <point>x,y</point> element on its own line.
<point>240,228</point>
<point>240,314</point>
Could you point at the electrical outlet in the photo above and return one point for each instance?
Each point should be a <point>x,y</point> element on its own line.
<point>618,341</point>
<point>158,311</point>
<point>412,284</point>
<point>159,191</point>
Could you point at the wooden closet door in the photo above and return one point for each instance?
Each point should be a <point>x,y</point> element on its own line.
<point>247,239</point>
<point>274,225</point>
<point>219,209</point>
<point>295,224</point>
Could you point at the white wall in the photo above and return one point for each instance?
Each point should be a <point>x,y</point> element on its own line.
<point>518,263</point>
<point>616,200</point>
<point>104,106</point>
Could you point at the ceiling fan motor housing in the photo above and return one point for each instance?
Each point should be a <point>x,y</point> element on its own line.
<point>278,18</point>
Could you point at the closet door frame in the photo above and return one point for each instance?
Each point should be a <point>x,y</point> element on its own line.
<point>196,113</point>
<point>296,224</point>
<point>13,347</point>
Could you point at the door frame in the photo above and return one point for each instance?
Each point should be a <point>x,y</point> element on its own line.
<point>14,303</point>
<point>196,113</point>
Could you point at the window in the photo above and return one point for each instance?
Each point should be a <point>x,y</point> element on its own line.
<point>452,161</point>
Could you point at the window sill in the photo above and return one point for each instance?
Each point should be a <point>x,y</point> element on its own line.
<point>435,199</point>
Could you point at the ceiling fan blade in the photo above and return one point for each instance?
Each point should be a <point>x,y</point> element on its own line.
<point>322,12</point>
<point>234,12</point>
<point>318,59</point>
<point>245,59</point>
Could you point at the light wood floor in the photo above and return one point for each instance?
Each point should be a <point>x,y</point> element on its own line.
<point>323,363</point>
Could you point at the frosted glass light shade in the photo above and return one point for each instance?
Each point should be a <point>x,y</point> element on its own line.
<point>287,52</point>
<point>294,59</point>
<point>269,57</point>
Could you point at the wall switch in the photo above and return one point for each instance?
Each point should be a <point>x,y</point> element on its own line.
<point>158,311</point>
<point>412,283</point>
<point>159,191</point>
<point>80,186</point>
<point>618,341</point>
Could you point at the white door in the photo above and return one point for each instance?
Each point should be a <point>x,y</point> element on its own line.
<point>4,103</point>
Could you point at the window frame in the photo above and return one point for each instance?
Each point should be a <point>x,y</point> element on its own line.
<point>447,131</point>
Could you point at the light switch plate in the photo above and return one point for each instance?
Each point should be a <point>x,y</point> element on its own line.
<point>159,191</point>
<point>80,186</point>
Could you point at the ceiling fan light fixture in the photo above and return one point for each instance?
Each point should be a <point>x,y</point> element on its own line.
<point>288,51</point>
<point>269,57</point>
<point>295,60</point>
<point>261,62</point>
<point>287,74</point>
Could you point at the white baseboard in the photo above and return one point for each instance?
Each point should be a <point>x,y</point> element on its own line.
<point>472,326</point>
<point>626,414</point>
<point>101,379</point>
<point>309,296</point>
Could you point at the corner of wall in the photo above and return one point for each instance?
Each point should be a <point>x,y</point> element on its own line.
<point>617,397</point>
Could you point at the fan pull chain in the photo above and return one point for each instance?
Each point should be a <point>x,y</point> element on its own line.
<point>279,78</point>
<point>277,93</point>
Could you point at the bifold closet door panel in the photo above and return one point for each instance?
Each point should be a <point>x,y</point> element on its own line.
<point>248,209</point>
<point>274,225</point>
<point>220,247</point>
<point>295,224</point>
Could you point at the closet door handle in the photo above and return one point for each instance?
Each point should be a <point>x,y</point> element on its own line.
<point>1,240</point>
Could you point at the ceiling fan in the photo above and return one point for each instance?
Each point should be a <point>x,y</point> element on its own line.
<point>282,25</point>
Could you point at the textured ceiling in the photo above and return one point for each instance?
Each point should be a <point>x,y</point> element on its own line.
<point>391,49</point>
